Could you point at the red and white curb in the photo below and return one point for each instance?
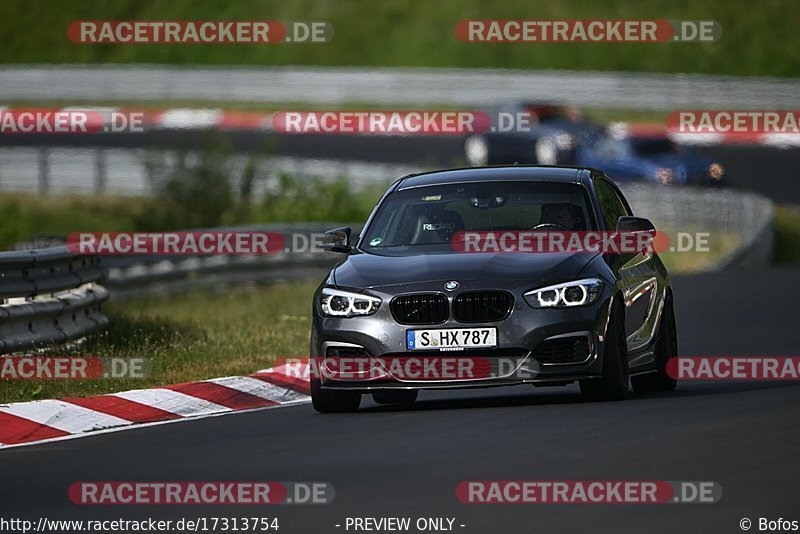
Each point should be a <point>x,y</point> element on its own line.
<point>24,423</point>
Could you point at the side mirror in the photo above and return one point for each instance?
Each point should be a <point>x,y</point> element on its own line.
<point>632,229</point>
<point>634,224</point>
<point>337,240</point>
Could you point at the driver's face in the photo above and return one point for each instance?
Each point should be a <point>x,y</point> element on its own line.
<point>565,218</point>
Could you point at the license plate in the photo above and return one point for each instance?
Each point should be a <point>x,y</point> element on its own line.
<point>451,338</point>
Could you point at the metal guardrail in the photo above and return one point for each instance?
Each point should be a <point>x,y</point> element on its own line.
<point>101,170</point>
<point>131,276</point>
<point>48,296</point>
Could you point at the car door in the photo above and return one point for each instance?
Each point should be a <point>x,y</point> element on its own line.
<point>638,277</point>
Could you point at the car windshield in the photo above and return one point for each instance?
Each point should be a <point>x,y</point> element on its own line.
<point>432,215</point>
<point>649,147</point>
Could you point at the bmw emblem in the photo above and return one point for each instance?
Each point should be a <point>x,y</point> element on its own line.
<point>452,285</point>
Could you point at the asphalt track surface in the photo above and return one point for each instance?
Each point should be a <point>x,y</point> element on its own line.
<point>392,462</point>
<point>770,171</point>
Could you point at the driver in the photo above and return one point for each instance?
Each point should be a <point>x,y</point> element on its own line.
<point>567,216</point>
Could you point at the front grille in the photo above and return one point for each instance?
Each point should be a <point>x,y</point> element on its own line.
<point>572,349</point>
<point>422,308</point>
<point>482,306</point>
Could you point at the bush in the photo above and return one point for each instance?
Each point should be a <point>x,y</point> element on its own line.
<point>190,190</point>
<point>315,199</point>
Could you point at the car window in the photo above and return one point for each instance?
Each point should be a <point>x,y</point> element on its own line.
<point>432,215</point>
<point>653,147</point>
<point>611,207</point>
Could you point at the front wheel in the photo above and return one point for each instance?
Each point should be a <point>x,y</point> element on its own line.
<point>666,350</point>
<point>613,385</point>
<point>333,401</point>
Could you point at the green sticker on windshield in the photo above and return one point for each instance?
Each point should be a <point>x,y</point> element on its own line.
<point>375,242</point>
<point>432,197</point>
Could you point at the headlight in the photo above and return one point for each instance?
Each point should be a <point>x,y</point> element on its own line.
<point>336,303</point>
<point>716,171</point>
<point>664,175</point>
<point>568,294</point>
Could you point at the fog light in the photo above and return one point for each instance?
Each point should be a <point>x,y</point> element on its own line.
<point>716,171</point>
<point>664,175</point>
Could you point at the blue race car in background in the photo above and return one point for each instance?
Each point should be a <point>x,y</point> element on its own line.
<point>546,134</point>
<point>648,154</point>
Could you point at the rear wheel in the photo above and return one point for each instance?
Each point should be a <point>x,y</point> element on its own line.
<point>666,349</point>
<point>333,401</point>
<point>614,383</point>
<point>398,396</point>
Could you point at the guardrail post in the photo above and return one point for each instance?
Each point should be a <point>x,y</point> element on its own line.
<point>44,171</point>
<point>99,170</point>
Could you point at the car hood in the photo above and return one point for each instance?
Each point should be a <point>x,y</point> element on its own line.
<point>363,270</point>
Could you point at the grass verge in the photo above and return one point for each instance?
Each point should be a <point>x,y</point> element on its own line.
<point>693,261</point>
<point>756,37</point>
<point>189,337</point>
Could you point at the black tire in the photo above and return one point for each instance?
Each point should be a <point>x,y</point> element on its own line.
<point>614,383</point>
<point>666,349</point>
<point>333,401</point>
<point>397,396</point>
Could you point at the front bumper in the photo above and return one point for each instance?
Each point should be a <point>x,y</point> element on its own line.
<point>515,360</point>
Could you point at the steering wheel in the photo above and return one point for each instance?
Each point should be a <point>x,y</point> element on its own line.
<point>544,226</point>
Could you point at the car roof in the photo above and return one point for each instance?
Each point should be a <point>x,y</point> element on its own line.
<point>513,173</point>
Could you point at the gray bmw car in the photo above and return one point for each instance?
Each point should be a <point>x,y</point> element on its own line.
<point>407,309</point>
